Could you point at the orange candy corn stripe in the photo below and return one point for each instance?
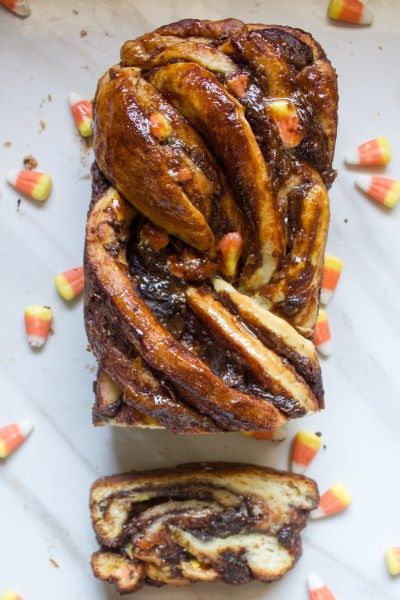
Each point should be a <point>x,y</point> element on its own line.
<point>382,189</point>
<point>350,11</point>
<point>13,436</point>
<point>330,277</point>
<point>374,152</point>
<point>160,126</point>
<point>82,112</point>
<point>304,448</point>
<point>38,321</point>
<point>317,590</point>
<point>392,557</point>
<point>333,501</point>
<point>277,435</point>
<point>285,116</point>
<point>238,84</point>
<point>18,7</point>
<point>230,247</point>
<point>322,334</point>
<point>34,184</point>
<point>70,283</point>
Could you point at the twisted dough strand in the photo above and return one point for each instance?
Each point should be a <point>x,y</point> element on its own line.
<point>221,135</point>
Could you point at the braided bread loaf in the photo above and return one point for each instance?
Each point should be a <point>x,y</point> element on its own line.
<point>207,227</point>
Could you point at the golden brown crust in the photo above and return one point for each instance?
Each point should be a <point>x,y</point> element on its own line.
<point>221,135</point>
<point>123,158</point>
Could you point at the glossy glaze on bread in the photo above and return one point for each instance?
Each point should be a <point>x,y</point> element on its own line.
<point>207,228</point>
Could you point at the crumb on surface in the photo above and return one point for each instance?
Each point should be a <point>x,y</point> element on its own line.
<point>87,144</point>
<point>18,204</point>
<point>83,33</point>
<point>49,97</point>
<point>346,221</point>
<point>75,12</point>
<point>29,162</point>
<point>380,47</point>
<point>318,433</point>
<point>42,126</point>
<point>54,563</point>
<point>7,144</point>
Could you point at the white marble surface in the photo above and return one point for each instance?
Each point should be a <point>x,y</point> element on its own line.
<point>44,486</point>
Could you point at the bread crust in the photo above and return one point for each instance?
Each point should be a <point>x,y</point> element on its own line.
<point>207,201</point>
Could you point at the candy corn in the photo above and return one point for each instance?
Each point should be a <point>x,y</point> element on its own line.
<point>160,127</point>
<point>34,184</point>
<point>38,321</point>
<point>373,152</point>
<point>18,7</point>
<point>351,11</point>
<point>276,435</point>
<point>82,112</point>
<point>11,595</point>
<point>70,283</point>
<point>230,247</point>
<point>330,277</point>
<point>333,501</point>
<point>285,116</point>
<point>317,590</point>
<point>322,334</point>
<point>238,84</point>
<point>12,436</point>
<point>382,189</point>
<point>392,557</point>
<point>304,447</point>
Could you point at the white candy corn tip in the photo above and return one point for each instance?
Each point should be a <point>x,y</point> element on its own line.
<point>314,582</point>
<point>352,157</point>
<point>367,17</point>
<point>325,349</point>
<point>12,177</point>
<point>363,182</point>
<point>36,341</point>
<point>317,513</point>
<point>297,468</point>
<point>25,427</point>
<point>74,98</point>
<point>279,435</point>
<point>20,8</point>
<point>326,295</point>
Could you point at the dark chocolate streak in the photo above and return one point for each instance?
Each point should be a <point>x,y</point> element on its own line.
<point>204,525</point>
<point>310,372</point>
<point>164,294</point>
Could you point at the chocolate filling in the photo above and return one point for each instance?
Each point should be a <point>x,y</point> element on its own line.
<point>165,296</point>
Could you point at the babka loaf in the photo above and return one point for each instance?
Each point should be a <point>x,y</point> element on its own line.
<point>207,227</point>
<point>205,522</point>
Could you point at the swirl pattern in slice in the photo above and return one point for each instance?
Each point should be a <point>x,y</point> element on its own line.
<point>205,522</point>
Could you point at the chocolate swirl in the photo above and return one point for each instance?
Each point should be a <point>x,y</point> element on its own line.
<point>205,522</point>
